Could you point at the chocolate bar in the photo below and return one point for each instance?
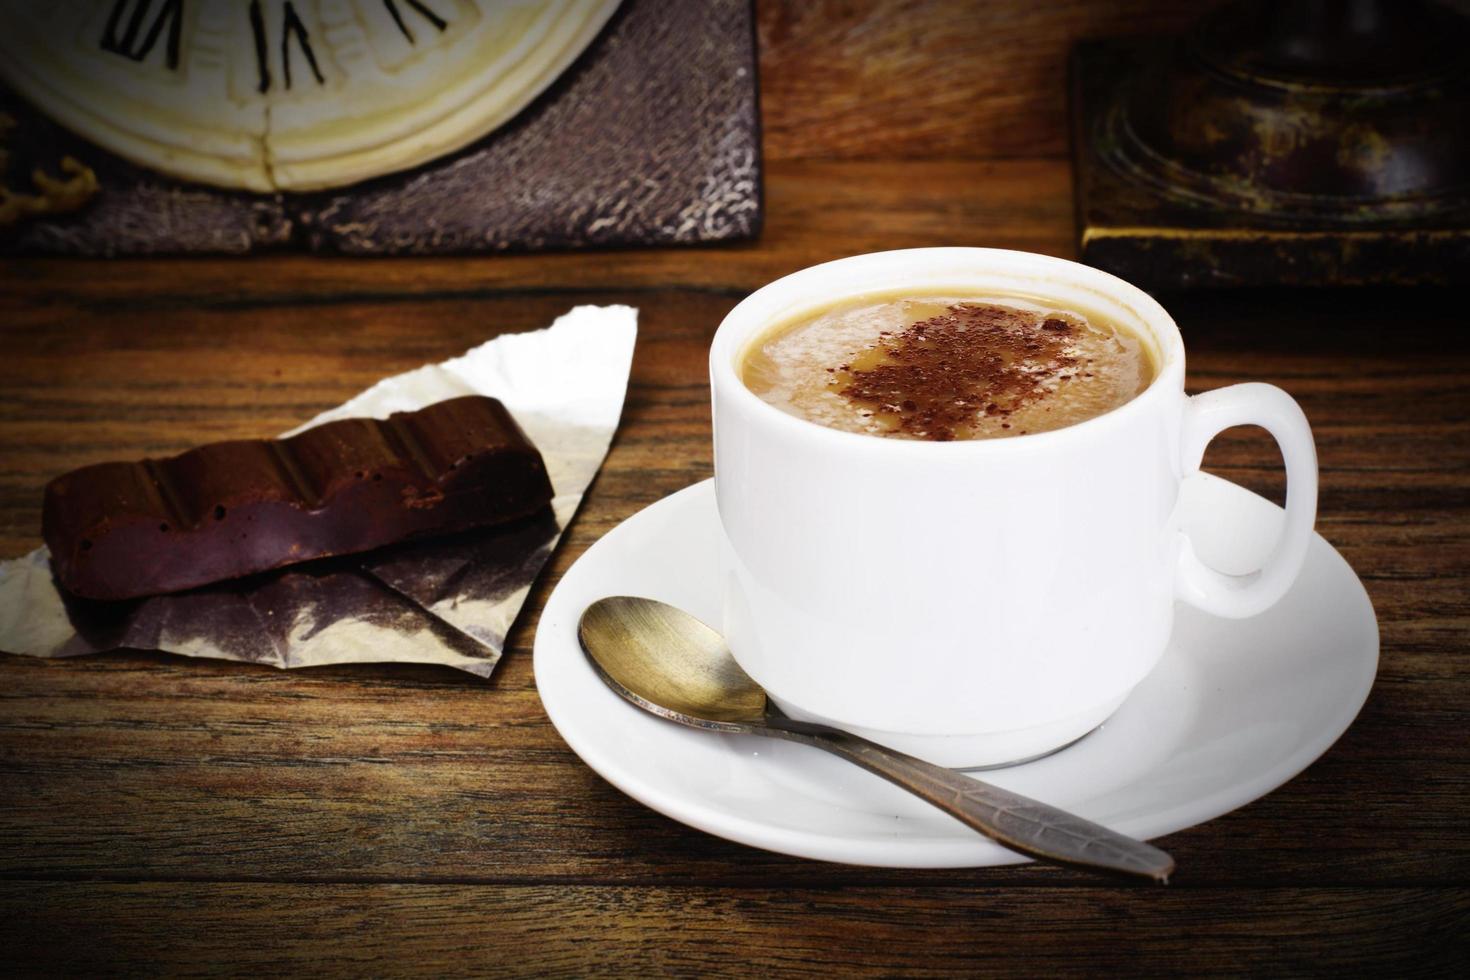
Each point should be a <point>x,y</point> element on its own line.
<point>227,509</point>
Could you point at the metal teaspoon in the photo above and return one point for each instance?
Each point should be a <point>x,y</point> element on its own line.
<point>672,665</point>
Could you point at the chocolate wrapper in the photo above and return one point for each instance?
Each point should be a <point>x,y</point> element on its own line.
<point>447,601</point>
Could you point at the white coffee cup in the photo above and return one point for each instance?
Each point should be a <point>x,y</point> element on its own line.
<point>985,601</point>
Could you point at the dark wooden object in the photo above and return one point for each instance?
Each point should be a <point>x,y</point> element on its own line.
<point>651,137</point>
<point>1309,142</point>
<point>159,814</point>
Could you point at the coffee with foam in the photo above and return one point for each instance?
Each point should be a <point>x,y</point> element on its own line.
<point>944,367</point>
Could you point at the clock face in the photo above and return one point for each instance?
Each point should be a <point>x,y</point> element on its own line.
<point>288,94</point>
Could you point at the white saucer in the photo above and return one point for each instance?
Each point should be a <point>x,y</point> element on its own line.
<point>1234,709</point>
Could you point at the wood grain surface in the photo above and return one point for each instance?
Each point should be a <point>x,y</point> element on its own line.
<point>921,79</point>
<point>577,929</point>
<point>161,814</point>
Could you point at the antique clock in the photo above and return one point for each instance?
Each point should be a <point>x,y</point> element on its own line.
<point>295,95</point>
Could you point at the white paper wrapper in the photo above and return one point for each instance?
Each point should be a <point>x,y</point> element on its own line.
<point>447,601</point>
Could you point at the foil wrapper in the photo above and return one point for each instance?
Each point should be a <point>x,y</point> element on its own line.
<point>447,600</point>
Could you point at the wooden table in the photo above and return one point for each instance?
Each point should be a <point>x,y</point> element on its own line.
<point>157,812</point>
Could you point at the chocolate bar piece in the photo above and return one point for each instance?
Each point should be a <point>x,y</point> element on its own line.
<point>122,530</point>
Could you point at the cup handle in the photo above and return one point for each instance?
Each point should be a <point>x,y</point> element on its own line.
<point>1206,416</point>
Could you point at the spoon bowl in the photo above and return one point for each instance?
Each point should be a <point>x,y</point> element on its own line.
<point>667,662</point>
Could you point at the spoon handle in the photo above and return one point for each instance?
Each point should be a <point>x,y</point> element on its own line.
<point>1017,822</point>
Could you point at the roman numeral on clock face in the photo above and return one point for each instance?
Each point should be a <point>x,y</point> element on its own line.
<point>291,27</point>
<point>134,28</point>
<point>423,9</point>
<point>129,44</point>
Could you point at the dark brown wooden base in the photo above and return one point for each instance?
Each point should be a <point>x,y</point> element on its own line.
<point>1160,235</point>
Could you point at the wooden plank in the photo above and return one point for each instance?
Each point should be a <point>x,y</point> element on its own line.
<point>141,766</point>
<point>589,930</point>
<point>931,78</point>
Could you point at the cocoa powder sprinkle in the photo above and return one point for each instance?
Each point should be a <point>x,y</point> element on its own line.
<point>933,377</point>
